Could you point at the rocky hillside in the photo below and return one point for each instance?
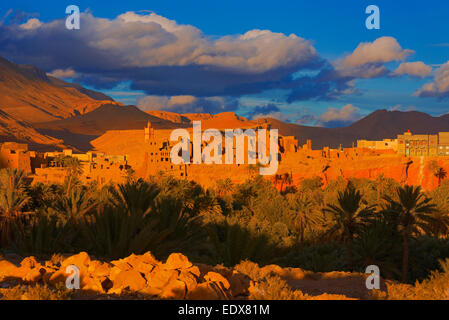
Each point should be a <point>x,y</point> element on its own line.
<point>29,94</point>
<point>144,277</point>
<point>12,129</point>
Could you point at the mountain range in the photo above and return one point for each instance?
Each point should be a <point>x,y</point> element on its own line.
<point>50,113</point>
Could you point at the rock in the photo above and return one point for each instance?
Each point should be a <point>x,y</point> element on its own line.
<point>139,263</point>
<point>239,284</point>
<point>80,260</point>
<point>122,264</point>
<point>92,284</point>
<point>7,269</point>
<point>131,279</point>
<point>106,284</point>
<point>114,271</point>
<point>195,271</point>
<point>218,278</point>
<point>175,289</point>
<point>35,275</point>
<point>30,263</point>
<point>177,261</point>
<point>159,278</point>
<point>205,291</point>
<point>99,269</point>
<point>148,258</point>
<point>58,277</point>
<point>151,291</point>
<point>189,279</point>
<point>144,268</point>
<point>144,264</point>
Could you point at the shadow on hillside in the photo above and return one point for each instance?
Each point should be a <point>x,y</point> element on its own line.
<point>79,141</point>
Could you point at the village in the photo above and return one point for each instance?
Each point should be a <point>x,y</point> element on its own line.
<point>153,156</point>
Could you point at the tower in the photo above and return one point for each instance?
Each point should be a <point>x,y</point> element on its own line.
<point>149,132</point>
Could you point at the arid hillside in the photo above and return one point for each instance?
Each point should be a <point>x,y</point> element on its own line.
<point>107,117</point>
<point>12,129</point>
<point>29,94</point>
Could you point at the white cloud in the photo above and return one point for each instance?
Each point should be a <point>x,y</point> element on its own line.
<point>334,117</point>
<point>187,104</point>
<point>439,87</point>
<point>161,56</point>
<point>368,59</point>
<point>157,41</point>
<point>31,24</point>
<point>416,69</point>
<point>63,73</point>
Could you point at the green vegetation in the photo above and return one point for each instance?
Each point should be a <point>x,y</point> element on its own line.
<point>344,226</point>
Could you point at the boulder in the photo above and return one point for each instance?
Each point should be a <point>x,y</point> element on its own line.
<point>80,260</point>
<point>92,285</point>
<point>177,261</point>
<point>159,278</point>
<point>239,284</point>
<point>151,291</point>
<point>131,279</point>
<point>205,291</point>
<point>99,269</point>
<point>175,289</point>
<point>122,264</point>
<point>57,277</point>
<point>217,278</point>
<point>189,279</point>
<point>35,275</point>
<point>30,263</point>
<point>7,270</point>
<point>195,271</point>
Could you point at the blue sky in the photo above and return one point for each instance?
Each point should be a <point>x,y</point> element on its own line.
<point>334,29</point>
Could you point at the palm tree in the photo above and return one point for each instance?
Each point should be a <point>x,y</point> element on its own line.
<point>306,215</point>
<point>224,187</point>
<point>350,215</point>
<point>13,196</point>
<point>74,170</point>
<point>76,204</point>
<point>135,195</point>
<point>13,199</point>
<point>438,171</point>
<point>414,215</point>
<point>441,174</point>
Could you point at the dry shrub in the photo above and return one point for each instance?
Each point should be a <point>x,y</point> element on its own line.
<point>36,292</point>
<point>275,288</point>
<point>436,287</point>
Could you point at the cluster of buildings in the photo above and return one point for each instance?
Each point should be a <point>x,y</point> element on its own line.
<point>51,167</point>
<point>158,144</point>
<point>414,145</point>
